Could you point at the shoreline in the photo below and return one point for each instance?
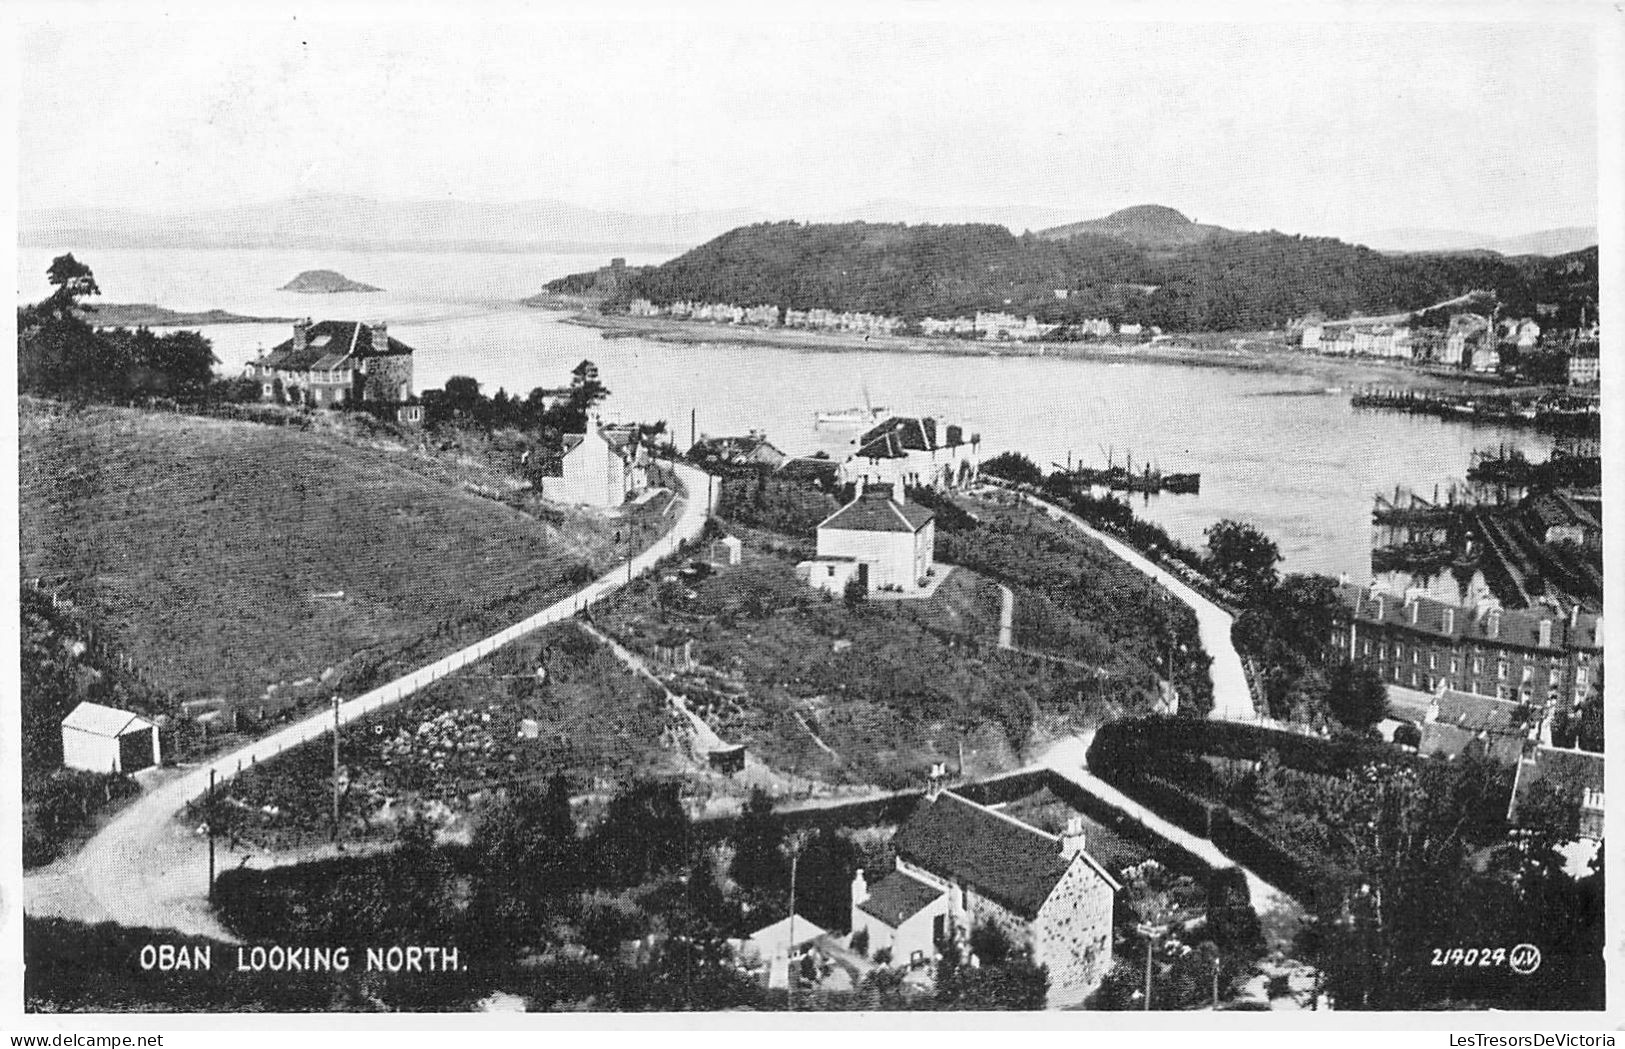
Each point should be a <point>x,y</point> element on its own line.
<point>1281,360</point>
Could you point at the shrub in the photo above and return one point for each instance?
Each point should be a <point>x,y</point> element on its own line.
<point>860,942</point>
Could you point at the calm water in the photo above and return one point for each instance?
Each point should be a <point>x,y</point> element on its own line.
<point>1275,450</point>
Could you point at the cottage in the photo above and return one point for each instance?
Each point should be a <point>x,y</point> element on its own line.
<point>107,739</point>
<point>736,454</point>
<point>600,467</point>
<point>877,538</point>
<point>960,865</point>
<point>332,363</point>
<point>1462,723</point>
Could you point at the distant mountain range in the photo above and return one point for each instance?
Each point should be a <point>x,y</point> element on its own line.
<point>349,222</point>
<point>361,223</point>
<point>1542,242</point>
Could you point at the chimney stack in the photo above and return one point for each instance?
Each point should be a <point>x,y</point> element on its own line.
<point>380,338</point>
<point>1545,633</point>
<point>1492,623</point>
<point>1449,621</point>
<point>860,888</point>
<point>1072,840</point>
<point>301,335</point>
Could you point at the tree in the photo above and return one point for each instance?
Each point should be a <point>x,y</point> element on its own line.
<point>1356,695</point>
<point>1013,467</point>
<point>758,860</point>
<point>72,280</point>
<point>1242,558</point>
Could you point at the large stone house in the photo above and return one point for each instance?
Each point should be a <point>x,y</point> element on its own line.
<point>908,451</point>
<point>960,865</point>
<point>332,363</point>
<point>878,538</point>
<point>601,467</point>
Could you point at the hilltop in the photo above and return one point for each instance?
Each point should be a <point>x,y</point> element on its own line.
<point>1150,226</point>
<point>1198,278</point>
<point>325,282</point>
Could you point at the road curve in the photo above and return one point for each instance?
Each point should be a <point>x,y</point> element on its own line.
<point>1232,699</point>
<point>145,869</point>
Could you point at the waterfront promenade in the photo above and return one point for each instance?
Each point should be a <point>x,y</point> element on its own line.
<point>145,869</point>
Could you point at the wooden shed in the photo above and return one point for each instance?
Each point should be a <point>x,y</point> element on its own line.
<point>107,739</point>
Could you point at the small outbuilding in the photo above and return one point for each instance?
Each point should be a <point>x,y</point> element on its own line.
<point>106,739</point>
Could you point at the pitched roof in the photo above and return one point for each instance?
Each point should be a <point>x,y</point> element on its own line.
<point>809,468</point>
<point>1519,626</point>
<point>1578,773</point>
<point>327,344</point>
<point>874,510</point>
<point>898,897</point>
<point>910,433</point>
<point>103,721</point>
<point>1004,859</point>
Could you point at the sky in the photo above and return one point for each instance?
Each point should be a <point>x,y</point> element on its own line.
<point>1316,127</point>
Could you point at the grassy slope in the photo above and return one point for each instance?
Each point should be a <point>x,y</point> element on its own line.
<point>201,544</point>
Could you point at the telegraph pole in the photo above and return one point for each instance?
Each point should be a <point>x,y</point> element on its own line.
<point>336,772</point>
<point>210,825</point>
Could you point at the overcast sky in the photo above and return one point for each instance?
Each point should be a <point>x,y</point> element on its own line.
<point>1316,128</point>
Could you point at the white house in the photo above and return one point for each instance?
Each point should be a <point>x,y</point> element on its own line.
<point>106,739</point>
<point>906,451</point>
<point>960,865</point>
<point>598,468</point>
<point>878,538</point>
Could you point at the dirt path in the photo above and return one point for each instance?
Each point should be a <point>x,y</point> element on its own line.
<point>145,869</point>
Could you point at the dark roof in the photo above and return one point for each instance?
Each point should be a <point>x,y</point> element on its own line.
<point>1554,510</point>
<point>752,449</point>
<point>918,435</point>
<point>1450,741</point>
<point>874,510</point>
<point>810,468</point>
<point>1574,772</point>
<point>898,897</point>
<point>1497,726</point>
<point>1518,626</point>
<point>329,343</point>
<point>1004,859</point>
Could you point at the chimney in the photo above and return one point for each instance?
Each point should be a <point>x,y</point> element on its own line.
<point>939,772</point>
<point>1072,840</point>
<point>1574,617</point>
<point>1413,606</point>
<point>1377,613</point>
<point>1492,623</point>
<point>301,335</point>
<point>860,888</point>
<point>380,338</point>
<point>1545,633</point>
<point>1449,624</point>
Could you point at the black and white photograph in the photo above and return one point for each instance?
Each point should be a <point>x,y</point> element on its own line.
<point>919,508</point>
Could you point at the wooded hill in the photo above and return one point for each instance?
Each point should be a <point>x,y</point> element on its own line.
<point>1133,266</point>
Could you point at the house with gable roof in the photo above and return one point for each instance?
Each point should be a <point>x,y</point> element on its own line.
<point>913,451</point>
<point>879,538</point>
<point>332,363</point>
<point>100,738</point>
<point>600,467</point>
<point>960,865</point>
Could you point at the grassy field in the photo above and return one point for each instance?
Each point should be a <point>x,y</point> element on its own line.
<point>869,694</point>
<point>226,558</point>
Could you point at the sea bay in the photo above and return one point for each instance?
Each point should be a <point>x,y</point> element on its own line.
<point>1283,451</point>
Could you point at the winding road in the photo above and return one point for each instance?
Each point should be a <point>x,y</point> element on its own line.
<point>144,868</point>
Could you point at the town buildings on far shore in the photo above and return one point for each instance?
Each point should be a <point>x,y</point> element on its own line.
<point>988,325</point>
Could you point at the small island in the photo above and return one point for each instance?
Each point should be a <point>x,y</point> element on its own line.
<point>325,282</point>
<point>147,315</point>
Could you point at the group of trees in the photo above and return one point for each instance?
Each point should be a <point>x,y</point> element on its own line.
<point>461,402</point>
<point>61,354</point>
<point>1239,281</point>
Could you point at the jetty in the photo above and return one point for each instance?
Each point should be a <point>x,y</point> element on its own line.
<point>1555,413</point>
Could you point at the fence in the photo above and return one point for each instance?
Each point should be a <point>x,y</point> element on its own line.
<point>686,528</point>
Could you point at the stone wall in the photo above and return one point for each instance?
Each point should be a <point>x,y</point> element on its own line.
<point>1073,934</point>
<point>386,378</point>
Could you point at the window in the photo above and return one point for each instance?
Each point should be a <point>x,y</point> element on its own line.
<point>1455,665</point>
<point>1433,663</point>
<point>1501,670</point>
<point>1416,655</point>
<point>1367,643</point>
<point>1478,663</point>
<point>1580,678</point>
<point>1528,674</point>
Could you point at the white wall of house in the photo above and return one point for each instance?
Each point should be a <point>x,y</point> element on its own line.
<point>1073,934</point>
<point>98,753</point>
<point>895,559</point>
<point>594,474</point>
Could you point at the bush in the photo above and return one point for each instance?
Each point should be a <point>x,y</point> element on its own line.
<point>883,956</point>
<point>860,942</point>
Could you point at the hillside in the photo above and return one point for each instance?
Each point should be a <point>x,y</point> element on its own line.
<point>1220,280</point>
<point>1149,226</point>
<point>223,557</point>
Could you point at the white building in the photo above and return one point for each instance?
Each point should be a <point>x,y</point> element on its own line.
<point>105,739</point>
<point>601,468</point>
<point>904,450</point>
<point>877,538</point>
